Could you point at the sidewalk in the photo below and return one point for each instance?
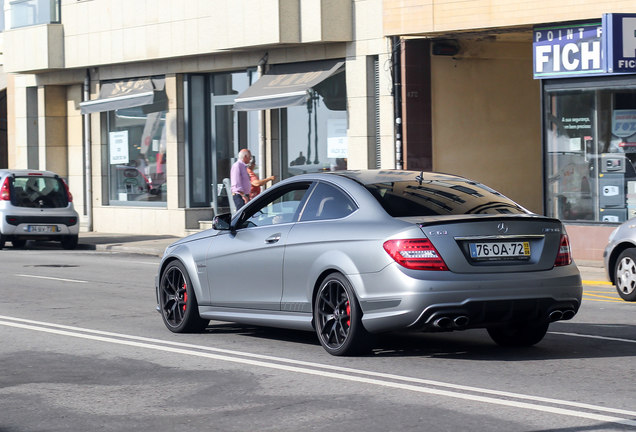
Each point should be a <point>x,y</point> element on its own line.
<point>155,245</point>
<point>129,243</point>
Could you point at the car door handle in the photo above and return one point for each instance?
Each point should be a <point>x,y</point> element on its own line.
<point>273,238</point>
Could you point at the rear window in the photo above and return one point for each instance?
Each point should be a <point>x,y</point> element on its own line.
<point>433,198</point>
<point>39,191</point>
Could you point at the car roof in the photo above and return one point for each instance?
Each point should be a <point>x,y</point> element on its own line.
<point>26,172</point>
<point>366,177</point>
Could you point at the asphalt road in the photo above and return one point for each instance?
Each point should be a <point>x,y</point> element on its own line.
<point>82,348</point>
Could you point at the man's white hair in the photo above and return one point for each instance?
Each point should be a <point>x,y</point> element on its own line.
<point>243,153</point>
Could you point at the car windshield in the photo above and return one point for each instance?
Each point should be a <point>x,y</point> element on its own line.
<point>39,192</point>
<point>437,197</point>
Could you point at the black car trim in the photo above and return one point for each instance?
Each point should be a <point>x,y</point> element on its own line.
<point>62,220</point>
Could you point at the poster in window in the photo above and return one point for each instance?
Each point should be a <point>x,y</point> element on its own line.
<point>118,147</point>
<point>337,138</point>
<point>624,123</point>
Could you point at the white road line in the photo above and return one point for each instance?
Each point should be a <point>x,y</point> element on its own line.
<point>373,378</point>
<point>595,337</point>
<point>52,278</point>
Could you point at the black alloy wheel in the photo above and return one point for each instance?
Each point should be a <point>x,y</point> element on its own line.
<point>338,317</point>
<point>625,275</point>
<point>179,308</point>
<point>519,335</point>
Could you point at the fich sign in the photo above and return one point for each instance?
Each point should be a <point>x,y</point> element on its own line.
<point>607,46</point>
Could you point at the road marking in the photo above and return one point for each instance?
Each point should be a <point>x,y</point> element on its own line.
<point>335,372</point>
<point>595,337</point>
<point>603,296</point>
<point>52,278</point>
<point>588,282</point>
<point>601,300</point>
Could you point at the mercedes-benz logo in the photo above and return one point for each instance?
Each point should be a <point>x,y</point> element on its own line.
<point>502,228</point>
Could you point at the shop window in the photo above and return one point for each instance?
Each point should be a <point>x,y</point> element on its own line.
<point>216,133</point>
<point>590,137</point>
<point>137,156</point>
<point>314,136</point>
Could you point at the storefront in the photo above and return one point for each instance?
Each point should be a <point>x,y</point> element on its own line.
<point>135,129</point>
<point>588,73</point>
<point>304,130</point>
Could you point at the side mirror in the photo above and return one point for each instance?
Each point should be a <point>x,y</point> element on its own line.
<point>222,222</point>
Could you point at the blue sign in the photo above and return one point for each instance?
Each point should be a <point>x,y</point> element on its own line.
<point>621,42</point>
<point>586,48</point>
<point>571,49</point>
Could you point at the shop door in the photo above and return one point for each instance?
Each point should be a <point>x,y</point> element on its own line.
<point>572,159</point>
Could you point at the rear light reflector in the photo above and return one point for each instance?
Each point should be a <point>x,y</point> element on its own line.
<point>564,257</point>
<point>5,195</point>
<point>415,254</point>
<point>68,192</point>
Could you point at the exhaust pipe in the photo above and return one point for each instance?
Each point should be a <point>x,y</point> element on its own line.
<point>568,314</point>
<point>461,321</point>
<point>443,322</point>
<point>556,315</point>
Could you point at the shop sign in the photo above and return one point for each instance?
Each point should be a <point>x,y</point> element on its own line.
<point>624,123</point>
<point>118,147</point>
<point>337,138</point>
<point>572,49</point>
<point>575,49</point>
<point>621,42</point>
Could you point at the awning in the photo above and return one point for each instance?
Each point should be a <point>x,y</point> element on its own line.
<point>286,85</point>
<point>127,94</point>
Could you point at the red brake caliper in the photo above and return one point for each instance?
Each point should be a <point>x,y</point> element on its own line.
<point>349,314</point>
<point>185,296</point>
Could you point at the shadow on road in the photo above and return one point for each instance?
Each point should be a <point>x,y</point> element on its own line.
<point>474,345</point>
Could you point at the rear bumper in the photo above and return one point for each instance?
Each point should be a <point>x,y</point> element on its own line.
<point>394,299</point>
<point>21,226</point>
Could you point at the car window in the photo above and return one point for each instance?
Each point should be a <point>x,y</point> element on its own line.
<point>280,208</point>
<point>39,192</point>
<point>327,202</point>
<point>435,197</point>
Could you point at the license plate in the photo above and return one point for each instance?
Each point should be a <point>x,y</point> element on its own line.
<point>42,228</point>
<point>500,250</point>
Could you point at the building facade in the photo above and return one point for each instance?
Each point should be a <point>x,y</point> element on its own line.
<point>515,103</point>
<point>136,102</point>
<point>143,105</point>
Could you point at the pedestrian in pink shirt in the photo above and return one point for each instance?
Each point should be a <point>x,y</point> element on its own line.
<point>240,179</point>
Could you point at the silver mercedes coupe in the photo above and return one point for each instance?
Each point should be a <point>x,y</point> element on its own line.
<point>352,253</point>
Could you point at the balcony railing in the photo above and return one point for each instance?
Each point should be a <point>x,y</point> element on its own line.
<point>33,12</point>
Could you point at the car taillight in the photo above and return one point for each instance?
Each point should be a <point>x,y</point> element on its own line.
<point>5,195</point>
<point>68,192</point>
<point>415,254</point>
<point>564,256</point>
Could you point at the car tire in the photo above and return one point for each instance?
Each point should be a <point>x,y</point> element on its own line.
<point>625,275</point>
<point>70,242</point>
<point>178,303</point>
<point>338,317</point>
<point>518,335</point>
<point>2,241</point>
<point>18,243</point>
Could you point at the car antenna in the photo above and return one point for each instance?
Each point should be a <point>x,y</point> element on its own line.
<point>420,177</point>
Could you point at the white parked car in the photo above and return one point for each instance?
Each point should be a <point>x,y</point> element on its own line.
<point>36,205</point>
